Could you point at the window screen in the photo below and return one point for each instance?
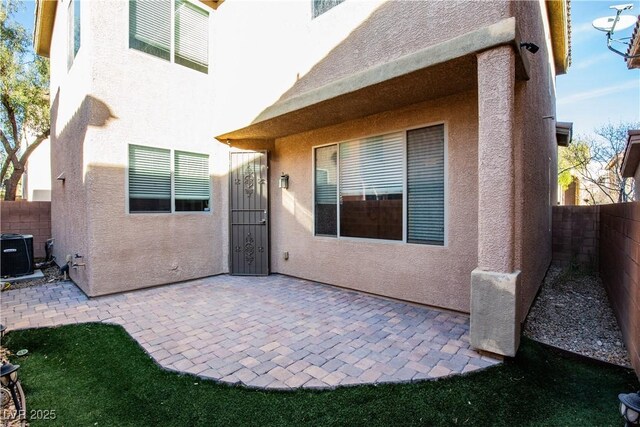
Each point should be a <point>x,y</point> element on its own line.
<point>150,27</point>
<point>149,179</point>
<point>318,7</point>
<point>326,191</point>
<point>192,184</point>
<point>191,36</point>
<point>425,185</point>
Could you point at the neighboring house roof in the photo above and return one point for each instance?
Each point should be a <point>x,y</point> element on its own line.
<point>46,16</point>
<point>631,159</point>
<point>564,133</point>
<point>634,47</point>
<point>559,13</point>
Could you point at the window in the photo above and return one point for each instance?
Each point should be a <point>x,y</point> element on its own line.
<point>318,7</point>
<point>151,184</point>
<point>175,30</point>
<point>368,187</point>
<point>73,36</point>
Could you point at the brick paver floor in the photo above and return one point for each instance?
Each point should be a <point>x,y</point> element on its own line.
<point>273,332</point>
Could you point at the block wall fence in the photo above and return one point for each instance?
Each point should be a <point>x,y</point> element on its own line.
<point>606,239</point>
<point>25,217</point>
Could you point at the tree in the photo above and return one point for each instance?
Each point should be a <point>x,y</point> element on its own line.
<point>596,161</point>
<point>24,99</point>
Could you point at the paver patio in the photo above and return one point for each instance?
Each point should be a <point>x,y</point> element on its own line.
<point>273,332</point>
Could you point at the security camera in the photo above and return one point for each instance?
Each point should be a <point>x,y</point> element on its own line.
<point>531,47</point>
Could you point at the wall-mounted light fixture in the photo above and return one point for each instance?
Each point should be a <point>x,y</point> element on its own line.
<point>284,181</point>
<point>61,177</point>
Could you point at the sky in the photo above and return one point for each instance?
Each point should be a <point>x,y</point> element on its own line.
<point>598,87</point>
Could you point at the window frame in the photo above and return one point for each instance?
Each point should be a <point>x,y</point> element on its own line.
<point>172,174</point>
<point>405,199</point>
<point>72,49</point>
<point>172,31</point>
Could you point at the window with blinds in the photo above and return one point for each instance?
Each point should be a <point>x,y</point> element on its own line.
<point>149,179</point>
<point>318,7</point>
<point>151,27</point>
<point>425,185</point>
<point>371,186</point>
<point>326,190</point>
<point>73,31</point>
<point>374,176</point>
<point>191,36</point>
<point>191,183</point>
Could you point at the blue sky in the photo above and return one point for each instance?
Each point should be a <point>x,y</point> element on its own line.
<point>598,87</point>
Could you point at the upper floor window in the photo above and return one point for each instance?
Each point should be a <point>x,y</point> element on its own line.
<point>318,7</point>
<point>175,30</point>
<point>389,187</point>
<point>73,35</point>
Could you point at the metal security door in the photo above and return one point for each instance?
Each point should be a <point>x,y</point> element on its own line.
<point>249,220</point>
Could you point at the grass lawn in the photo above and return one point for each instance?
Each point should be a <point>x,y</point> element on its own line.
<point>95,374</point>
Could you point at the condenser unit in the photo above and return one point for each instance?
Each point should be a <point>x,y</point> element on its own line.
<point>17,254</point>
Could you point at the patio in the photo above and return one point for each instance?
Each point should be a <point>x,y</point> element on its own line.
<point>273,332</point>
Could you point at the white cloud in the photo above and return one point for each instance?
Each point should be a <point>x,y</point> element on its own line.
<point>595,93</point>
<point>588,62</point>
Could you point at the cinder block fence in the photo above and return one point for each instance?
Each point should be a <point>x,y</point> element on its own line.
<point>606,238</point>
<point>27,218</point>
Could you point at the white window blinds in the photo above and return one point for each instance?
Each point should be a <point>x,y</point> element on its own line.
<point>150,26</point>
<point>191,176</point>
<point>372,167</point>
<point>149,173</point>
<point>425,185</point>
<point>191,35</point>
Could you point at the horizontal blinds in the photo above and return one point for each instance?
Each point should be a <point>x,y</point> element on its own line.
<point>191,176</point>
<point>326,175</point>
<point>425,185</point>
<point>149,173</point>
<point>372,166</point>
<point>150,23</point>
<point>192,35</point>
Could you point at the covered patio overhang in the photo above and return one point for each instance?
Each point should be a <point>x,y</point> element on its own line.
<point>439,70</point>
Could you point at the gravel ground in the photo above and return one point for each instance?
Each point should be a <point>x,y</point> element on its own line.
<point>572,312</point>
<point>51,275</point>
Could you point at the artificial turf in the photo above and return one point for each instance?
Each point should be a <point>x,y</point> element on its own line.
<point>97,375</point>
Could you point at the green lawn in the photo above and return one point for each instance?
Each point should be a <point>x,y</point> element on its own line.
<point>95,374</point>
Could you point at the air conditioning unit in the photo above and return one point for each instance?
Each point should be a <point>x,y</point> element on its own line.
<point>17,254</point>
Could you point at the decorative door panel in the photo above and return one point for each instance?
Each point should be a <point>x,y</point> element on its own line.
<point>249,221</point>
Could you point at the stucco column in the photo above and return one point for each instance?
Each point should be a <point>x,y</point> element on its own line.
<point>494,283</point>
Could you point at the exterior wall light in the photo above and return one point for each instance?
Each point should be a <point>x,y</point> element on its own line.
<point>630,408</point>
<point>284,181</point>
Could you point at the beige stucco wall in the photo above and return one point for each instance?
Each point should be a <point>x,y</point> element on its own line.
<point>69,123</point>
<point>432,275</point>
<point>271,50</point>
<point>37,180</point>
<point>133,98</point>
<point>535,155</point>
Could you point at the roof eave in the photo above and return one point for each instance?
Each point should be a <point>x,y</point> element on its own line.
<point>45,17</point>
<point>631,159</point>
<point>559,26</point>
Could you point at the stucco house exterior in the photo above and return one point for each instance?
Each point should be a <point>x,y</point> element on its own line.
<point>406,149</point>
<point>630,166</point>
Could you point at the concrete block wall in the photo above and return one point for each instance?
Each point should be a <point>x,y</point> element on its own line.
<point>576,232</point>
<point>25,217</point>
<point>620,269</point>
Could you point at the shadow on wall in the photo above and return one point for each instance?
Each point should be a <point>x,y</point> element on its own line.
<point>68,192</point>
<point>379,40</point>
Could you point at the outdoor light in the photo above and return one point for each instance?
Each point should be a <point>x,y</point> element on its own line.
<point>8,374</point>
<point>284,181</point>
<point>630,408</point>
